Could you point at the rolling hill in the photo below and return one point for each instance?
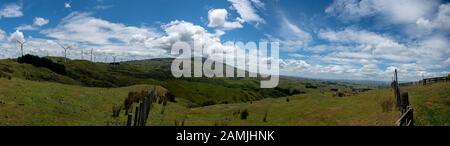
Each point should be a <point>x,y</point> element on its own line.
<point>24,102</point>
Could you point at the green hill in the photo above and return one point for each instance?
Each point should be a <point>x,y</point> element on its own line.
<point>155,72</point>
<point>25,102</point>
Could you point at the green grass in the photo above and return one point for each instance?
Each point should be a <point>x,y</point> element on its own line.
<point>431,105</point>
<point>153,72</point>
<point>87,94</point>
<point>43,103</point>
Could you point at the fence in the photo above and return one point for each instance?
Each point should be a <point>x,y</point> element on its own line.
<point>142,111</point>
<point>405,108</point>
<point>427,81</point>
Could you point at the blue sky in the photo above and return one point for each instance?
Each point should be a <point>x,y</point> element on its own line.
<point>341,39</point>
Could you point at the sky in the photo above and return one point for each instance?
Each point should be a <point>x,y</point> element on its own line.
<point>340,39</point>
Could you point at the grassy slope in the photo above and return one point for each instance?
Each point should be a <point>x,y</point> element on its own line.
<point>154,72</point>
<point>42,103</point>
<point>431,103</point>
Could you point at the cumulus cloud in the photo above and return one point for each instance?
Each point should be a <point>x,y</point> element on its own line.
<point>39,21</point>
<point>399,11</point>
<point>291,37</point>
<point>425,27</point>
<point>416,18</point>
<point>439,22</point>
<point>2,35</point>
<point>106,37</point>
<point>247,11</point>
<point>218,19</point>
<point>17,36</point>
<point>67,5</point>
<point>364,54</point>
<point>83,28</point>
<point>11,11</point>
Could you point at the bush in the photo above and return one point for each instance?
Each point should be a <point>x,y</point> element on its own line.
<point>208,103</point>
<point>134,97</point>
<point>244,114</point>
<point>340,94</point>
<point>287,100</point>
<point>42,62</point>
<point>309,85</point>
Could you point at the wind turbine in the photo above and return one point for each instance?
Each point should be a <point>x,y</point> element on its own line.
<point>21,44</point>
<point>82,53</point>
<point>114,58</point>
<point>91,54</point>
<point>65,50</point>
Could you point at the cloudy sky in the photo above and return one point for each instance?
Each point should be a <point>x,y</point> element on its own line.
<point>341,39</point>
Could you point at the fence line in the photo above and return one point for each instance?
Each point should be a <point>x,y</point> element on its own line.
<point>405,108</point>
<point>142,111</point>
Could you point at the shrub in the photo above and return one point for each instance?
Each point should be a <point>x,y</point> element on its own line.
<point>170,97</point>
<point>287,99</point>
<point>244,114</point>
<point>3,75</point>
<point>309,85</point>
<point>42,62</point>
<point>134,97</point>
<point>208,103</point>
<point>340,94</point>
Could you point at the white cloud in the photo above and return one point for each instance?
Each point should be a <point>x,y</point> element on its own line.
<point>397,12</point>
<point>39,21</point>
<point>359,54</point>
<point>296,55</point>
<point>2,35</point>
<point>83,28</point>
<point>247,11</point>
<point>135,42</point>
<point>11,11</point>
<point>17,35</point>
<point>291,37</point>
<point>440,22</point>
<point>258,4</point>
<point>218,19</point>
<point>67,5</point>
<point>26,27</point>
<point>103,7</point>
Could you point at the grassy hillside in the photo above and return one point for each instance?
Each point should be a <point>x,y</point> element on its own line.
<point>25,102</point>
<point>200,91</point>
<point>431,104</point>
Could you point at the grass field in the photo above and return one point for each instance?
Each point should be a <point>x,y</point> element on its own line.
<point>431,103</point>
<point>24,102</point>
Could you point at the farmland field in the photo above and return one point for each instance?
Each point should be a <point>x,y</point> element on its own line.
<point>24,102</point>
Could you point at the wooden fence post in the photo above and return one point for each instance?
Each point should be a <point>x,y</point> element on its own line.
<point>129,118</point>
<point>136,116</point>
